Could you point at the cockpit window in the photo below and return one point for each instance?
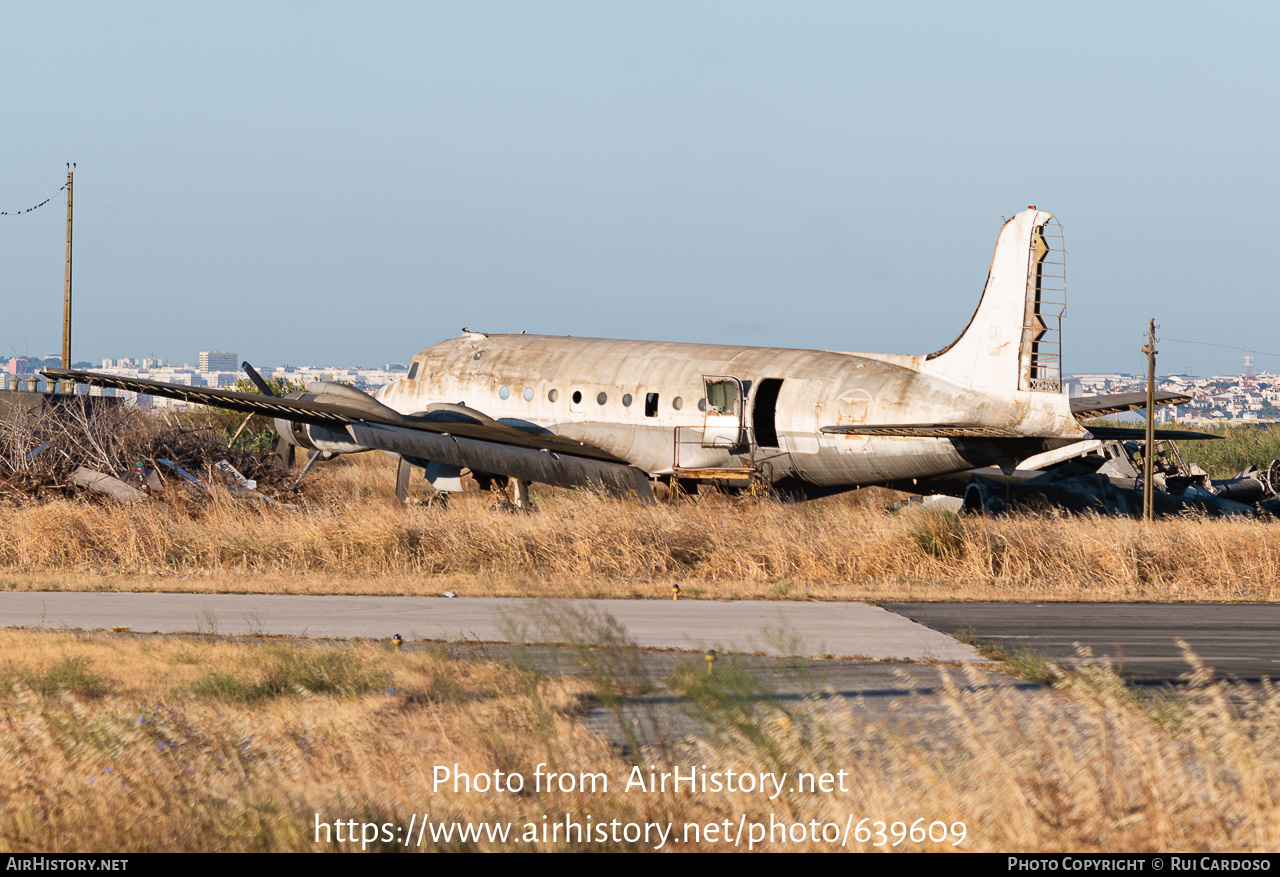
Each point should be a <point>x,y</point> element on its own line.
<point>413,371</point>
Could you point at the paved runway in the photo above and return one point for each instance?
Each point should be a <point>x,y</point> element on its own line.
<point>844,630</point>
<point>1240,641</point>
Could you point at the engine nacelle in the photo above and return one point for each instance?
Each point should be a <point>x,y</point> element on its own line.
<point>329,439</point>
<point>317,438</point>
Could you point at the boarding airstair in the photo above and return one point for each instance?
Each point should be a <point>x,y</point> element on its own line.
<point>700,451</point>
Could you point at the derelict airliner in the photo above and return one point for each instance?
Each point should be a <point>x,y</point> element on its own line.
<point>620,415</point>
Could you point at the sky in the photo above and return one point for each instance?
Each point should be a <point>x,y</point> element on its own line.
<point>338,183</point>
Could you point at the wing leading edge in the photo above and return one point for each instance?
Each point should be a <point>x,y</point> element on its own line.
<point>925,430</point>
<point>451,434</point>
<point>1081,407</point>
<point>1100,406</point>
<point>455,420</point>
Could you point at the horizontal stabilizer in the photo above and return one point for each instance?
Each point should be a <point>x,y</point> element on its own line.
<point>925,430</point>
<point>1139,434</point>
<point>1101,406</point>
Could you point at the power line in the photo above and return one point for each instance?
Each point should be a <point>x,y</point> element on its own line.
<point>37,207</point>
<point>1227,346</point>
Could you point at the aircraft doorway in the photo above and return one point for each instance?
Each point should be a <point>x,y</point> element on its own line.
<point>764,413</point>
<point>722,422</point>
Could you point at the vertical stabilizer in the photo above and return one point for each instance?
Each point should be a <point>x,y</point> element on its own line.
<point>1013,341</point>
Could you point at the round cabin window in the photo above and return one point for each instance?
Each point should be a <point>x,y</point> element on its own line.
<point>553,395</point>
<point>504,392</point>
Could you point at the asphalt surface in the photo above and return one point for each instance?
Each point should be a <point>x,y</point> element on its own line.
<point>919,698</point>
<point>1141,640</point>
<point>839,630</point>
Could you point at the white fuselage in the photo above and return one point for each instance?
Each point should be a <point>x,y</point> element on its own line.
<point>579,388</point>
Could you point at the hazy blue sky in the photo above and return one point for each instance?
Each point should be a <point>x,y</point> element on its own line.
<point>329,183</point>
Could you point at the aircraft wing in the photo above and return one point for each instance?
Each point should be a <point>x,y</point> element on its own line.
<point>1100,406</point>
<point>295,410</point>
<point>1081,407</point>
<point>924,430</point>
<point>1130,433</point>
<point>970,430</point>
<point>451,434</point>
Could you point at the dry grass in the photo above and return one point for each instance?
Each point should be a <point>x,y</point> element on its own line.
<point>146,762</point>
<point>350,536</point>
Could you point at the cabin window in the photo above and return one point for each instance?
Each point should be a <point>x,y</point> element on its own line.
<point>577,397</point>
<point>479,353</point>
<point>528,394</point>
<point>677,403</point>
<point>722,397</point>
<point>602,398</point>
<point>702,404</point>
<point>651,405</point>
<point>413,371</point>
<point>626,400</point>
<point>553,395</point>
<point>504,392</point>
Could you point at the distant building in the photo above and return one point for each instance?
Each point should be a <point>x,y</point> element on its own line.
<point>218,361</point>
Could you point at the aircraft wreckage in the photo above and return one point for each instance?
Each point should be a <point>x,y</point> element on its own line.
<point>622,415</point>
<point>1105,477</point>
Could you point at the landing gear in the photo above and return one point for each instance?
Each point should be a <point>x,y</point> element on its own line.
<point>403,472</point>
<point>512,495</point>
<point>521,498</point>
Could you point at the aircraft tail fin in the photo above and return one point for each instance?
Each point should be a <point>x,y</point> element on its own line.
<point>1014,338</point>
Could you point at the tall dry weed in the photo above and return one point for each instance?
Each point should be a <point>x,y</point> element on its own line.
<point>349,535</point>
<point>152,765</point>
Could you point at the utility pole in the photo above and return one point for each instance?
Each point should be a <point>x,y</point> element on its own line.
<point>1148,454</point>
<point>66,295</point>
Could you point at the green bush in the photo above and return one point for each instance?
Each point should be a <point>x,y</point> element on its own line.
<point>290,671</point>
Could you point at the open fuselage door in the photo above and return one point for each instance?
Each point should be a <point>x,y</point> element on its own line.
<point>722,424</point>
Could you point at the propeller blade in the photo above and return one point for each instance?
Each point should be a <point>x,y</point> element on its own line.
<point>263,387</point>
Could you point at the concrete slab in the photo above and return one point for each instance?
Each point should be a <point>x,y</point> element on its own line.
<point>844,630</point>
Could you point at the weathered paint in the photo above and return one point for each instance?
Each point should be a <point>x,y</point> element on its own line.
<point>592,411</point>
<point>577,388</point>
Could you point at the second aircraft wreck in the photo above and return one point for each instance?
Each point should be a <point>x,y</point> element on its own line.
<point>620,415</point>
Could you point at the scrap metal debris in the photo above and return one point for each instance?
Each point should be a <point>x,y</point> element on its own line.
<point>1106,478</point>
<point>126,455</point>
<point>106,485</point>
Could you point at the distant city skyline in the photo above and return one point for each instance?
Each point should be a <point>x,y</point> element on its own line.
<point>1168,364</point>
<point>1165,368</point>
<point>1214,398</point>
